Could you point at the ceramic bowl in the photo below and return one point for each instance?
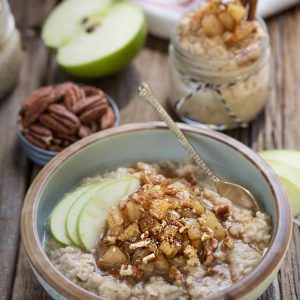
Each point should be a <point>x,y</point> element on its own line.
<point>153,142</point>
<point>41,156</point>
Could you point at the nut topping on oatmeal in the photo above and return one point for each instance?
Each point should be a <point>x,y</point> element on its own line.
<point>162,223</point>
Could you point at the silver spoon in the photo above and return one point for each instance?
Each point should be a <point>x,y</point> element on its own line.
<point>232,191</point>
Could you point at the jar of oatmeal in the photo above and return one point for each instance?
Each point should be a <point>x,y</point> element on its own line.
<point>219,66</point>
<point>10,49</point>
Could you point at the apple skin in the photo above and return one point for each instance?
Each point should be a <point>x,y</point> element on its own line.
<point>111,63</point>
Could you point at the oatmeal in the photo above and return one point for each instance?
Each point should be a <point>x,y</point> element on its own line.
<point>174,237</point>
<point>219,65</point>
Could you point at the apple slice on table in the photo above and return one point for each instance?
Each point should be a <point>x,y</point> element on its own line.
<point>286,163</point>
<point>94,214</point>
<point>95,37</point>
<point>288,157</point>
<point>60,212</point>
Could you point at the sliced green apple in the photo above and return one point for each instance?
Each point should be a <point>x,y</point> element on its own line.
<point>60,212</point>
<point>289,175</point>
<point>288,157</point>
<point>93,216</point>
<point>75,210</point>
<point>99,39</point>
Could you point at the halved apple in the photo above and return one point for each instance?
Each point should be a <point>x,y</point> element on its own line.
<point>93,216</point>
<point>286,163</point>
<point>95,37</point>
<point>60,212</point>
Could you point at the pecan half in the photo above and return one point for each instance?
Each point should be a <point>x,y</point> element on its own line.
<point>67,118</point>
<point>108,119</point>
<point>40,129</point>
<point>72,95</point>
<point>52,123</point>
<point>90,91</point>
<point>37,106</point>
<point>93,114</point>
<point>41,92</point>
<point>87,103</point>
<point>36,142</point>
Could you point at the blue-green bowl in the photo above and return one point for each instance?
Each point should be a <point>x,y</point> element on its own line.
<point>153,142</point>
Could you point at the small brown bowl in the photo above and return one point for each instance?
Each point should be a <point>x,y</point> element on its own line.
<point>153,142</point>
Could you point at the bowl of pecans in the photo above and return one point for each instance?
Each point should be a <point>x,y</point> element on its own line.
<point>54,117</point>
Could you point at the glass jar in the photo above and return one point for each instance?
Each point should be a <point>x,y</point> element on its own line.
<point>10,50</point>
<point>219,93</point>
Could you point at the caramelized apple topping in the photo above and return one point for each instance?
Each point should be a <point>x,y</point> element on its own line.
<point>224,22</point>
<point>161,229</point>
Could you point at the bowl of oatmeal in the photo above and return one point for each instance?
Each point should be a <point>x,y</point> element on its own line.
<point>114,217</point>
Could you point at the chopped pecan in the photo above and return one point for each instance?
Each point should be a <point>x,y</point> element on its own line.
<point>149,258</point>
<point>129,270</point>
<point>175,275</point>
<point>222,211</point>
<point>108,119</point>
<point>140,244</point>
<point>208,254</point>
<point>93,114</point>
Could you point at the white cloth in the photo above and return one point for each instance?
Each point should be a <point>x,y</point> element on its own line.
<point>162,15</point>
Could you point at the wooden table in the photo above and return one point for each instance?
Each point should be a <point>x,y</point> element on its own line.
<point>277,127</point>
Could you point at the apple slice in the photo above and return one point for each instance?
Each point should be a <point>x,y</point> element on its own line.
<point>60,212</point>
<point>95,37</point>
<point>75,210</point>
<point>94,214</point>
<point>288,157</point>
<point>288,173</point>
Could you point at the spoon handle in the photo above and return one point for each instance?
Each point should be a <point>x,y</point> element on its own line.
<point>146,93</point>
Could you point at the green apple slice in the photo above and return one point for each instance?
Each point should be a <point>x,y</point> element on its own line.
<point>60,212</point>
<point>290,179</point>
<point>65,21</point>
<point>288,157</point>
<point>75,210</point>
<point>93,216</point>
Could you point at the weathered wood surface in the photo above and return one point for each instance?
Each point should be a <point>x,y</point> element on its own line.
<point>275,128</point>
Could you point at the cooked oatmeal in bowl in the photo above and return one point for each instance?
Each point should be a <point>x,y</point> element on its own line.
<point>173,237</point>
<point>69,241</point>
